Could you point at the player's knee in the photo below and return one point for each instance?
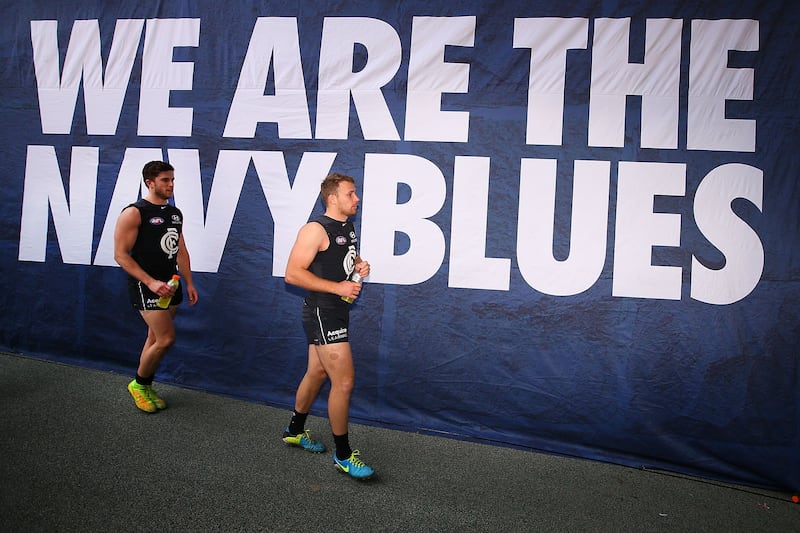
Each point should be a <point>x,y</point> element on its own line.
<point>344,386</point>
<point>317,373</point>
<point>166,340</point>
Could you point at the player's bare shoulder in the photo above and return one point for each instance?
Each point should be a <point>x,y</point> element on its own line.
<point>313,234</point>
<point>130,216</point>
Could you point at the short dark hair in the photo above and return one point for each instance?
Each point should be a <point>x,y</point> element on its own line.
<point>331,184</point>
<point>154,168</point>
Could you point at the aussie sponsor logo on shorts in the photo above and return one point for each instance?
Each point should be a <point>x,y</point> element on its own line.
<point>336,334</point>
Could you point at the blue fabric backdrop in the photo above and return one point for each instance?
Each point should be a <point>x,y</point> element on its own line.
<point>636,370</point>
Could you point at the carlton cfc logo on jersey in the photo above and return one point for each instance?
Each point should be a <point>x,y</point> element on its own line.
<point>156,221</point>
<point>341,240</point>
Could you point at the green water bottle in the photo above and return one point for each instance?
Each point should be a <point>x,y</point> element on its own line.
<point>164,301</point>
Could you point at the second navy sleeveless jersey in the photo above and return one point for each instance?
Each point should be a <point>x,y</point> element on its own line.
<point>336,263</point>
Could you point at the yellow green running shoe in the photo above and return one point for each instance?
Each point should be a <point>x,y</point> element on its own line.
<point>141,397</point>
<point>151,393</point>
<point>303,440</point>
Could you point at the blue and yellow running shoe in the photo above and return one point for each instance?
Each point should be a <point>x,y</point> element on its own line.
<point>304,441</point>
<point>353,466</point>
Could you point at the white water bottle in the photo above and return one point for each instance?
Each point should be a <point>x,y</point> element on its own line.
<point>164,301</point>
<point>355,277</point>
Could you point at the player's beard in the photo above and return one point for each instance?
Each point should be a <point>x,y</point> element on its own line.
<point>163,194</point>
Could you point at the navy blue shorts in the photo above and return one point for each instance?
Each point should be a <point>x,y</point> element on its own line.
<point>144,299</point>
<point>325,326</point>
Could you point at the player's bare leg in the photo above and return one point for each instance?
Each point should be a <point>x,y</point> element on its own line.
<point>337,360</point>
<point>296,434</point>
<point>160,337</point>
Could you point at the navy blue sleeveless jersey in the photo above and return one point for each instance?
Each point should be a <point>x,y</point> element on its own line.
<point>336,262</point>
<point>156,246</point>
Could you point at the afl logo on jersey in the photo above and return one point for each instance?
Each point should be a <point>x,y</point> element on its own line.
<point>156,221</point>
<point>341,240</point>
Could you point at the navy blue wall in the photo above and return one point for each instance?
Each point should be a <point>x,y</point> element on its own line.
<point>625,289</point>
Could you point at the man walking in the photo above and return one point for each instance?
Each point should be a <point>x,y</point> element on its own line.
<point>149,246</point>
<point>322,261</point>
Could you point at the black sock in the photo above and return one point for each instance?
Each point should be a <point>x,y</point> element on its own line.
<point>144,381</point>
<point>343,450</point>
<point>298,423</point>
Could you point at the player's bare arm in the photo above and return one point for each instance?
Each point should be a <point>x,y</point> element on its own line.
<point>185,268</point>
<point>125,233</point>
